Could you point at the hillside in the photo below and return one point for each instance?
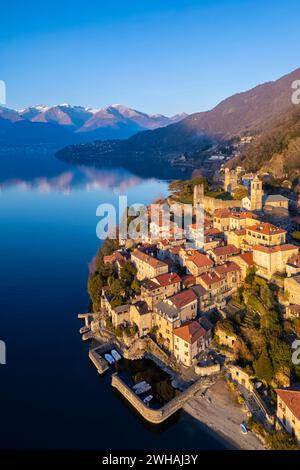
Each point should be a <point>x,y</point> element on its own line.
<point>249,112</point>
<point>277,148</point>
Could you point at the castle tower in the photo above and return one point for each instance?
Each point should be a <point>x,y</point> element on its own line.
<point>230,180</point>
<point>198,196</point>
<point>257,193</point>
<point>198,211</point>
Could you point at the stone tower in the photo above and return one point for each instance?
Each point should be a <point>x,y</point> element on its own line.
<point>198,212</point>
<point>198,196</point>
<point>230,180</point>
<point>256,195</point>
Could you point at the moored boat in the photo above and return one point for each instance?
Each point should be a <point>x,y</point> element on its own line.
<point>115,355</point>
<point>109,358</point>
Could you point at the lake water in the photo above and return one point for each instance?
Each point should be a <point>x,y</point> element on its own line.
<point>51,395</point>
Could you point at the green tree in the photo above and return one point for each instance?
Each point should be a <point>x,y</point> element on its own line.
<point>95,285</point>
<point>263,367</point>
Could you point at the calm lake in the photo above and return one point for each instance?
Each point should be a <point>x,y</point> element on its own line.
<point>51,394</point>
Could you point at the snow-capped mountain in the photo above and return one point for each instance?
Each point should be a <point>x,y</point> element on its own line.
<point>111,122</point>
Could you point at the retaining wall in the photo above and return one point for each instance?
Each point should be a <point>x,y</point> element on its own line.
<point>151,415</point>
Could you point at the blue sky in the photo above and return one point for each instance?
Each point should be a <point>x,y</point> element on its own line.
<point>154,55</point>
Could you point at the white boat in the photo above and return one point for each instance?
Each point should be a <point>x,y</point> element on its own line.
<point>138,385</point>
<point>244,428</point>
<point>115,355</point>
<point>109,358</point>
<point>148,399</point>
<point>143,389</point>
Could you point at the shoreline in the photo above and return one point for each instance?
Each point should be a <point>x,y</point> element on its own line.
<point>220,415</point>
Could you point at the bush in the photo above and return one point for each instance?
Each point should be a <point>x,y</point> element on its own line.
<point>281,440</point>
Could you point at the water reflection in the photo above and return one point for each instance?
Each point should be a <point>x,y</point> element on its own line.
<point>52,175</point>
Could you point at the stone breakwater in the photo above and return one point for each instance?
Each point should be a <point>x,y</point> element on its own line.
<point>162,414</point>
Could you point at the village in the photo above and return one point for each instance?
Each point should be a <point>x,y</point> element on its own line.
<point>223,301</point>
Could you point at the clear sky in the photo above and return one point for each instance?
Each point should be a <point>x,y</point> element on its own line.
<point>163,56</point>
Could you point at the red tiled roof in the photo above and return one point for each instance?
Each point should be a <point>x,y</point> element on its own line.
<point>212,231</point>
<point>200,260</point>
<point>227,268</point>
<point>266,229</point>
<point>227,213</point>
<point>242,215</point>
<point>275,249</point>
<point>167,279</point>
<point>190,331</point>
<point>210,278</point>
<point>183,298</point>
<point>155,263</point>
<point>225,250</point>
<point>248,258</point>
<point>240,232</point>
<point>291,397</point>
<point>222,213</point>
<point>113,258</point>
<point>188,280</point>
<point>295,260</point>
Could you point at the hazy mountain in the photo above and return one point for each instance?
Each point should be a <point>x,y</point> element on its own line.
<point>80,124</point>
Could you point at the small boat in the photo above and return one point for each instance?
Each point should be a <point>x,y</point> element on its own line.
<point>244,429</point>
<point>148,399</point>
<point>115,355</point>
<point>138,385</point>
<point>84,329</point>
<point>143,389</point>
<point>109,358</point>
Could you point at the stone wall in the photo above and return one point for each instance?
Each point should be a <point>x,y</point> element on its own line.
<point>211,204</point>
<point>207,370</point>
<point>151,415</point>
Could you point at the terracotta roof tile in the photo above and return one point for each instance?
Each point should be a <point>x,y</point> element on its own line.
<point>266,229</point>
<point>155,263</point>
<point>183,298</point>
<point>225,250</point>
<point>291,397</point>
<point>190,331</point>
<point>167,279</point>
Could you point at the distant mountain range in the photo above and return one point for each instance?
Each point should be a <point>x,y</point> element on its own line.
<point>63,124</point>
<point>247,113</point>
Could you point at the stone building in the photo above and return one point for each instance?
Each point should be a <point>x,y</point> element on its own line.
<point>265,234</point>
<point>189,341</point>
<point>230,180</point>
<point>292,289</point>
<point>272,259</point>
<point>141,316</point>
<point>147,266</point>
<point>277,200</point>
<point>288,409</point>
<point>160,287</point>
<point>254,202</point>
